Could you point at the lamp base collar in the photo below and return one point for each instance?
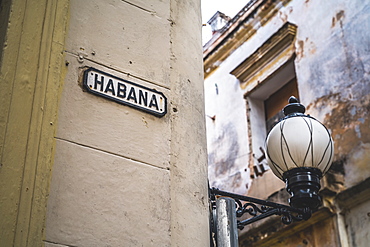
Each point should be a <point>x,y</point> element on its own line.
<point>303,184</point>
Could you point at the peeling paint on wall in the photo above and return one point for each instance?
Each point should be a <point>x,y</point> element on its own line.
<point>230,149</point>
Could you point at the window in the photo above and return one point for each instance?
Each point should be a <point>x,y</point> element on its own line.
<point>277,101</point>
<point>264,111</point>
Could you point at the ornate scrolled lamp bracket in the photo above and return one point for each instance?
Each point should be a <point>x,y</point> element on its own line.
<point>299,151</point>
<point>259,209</point>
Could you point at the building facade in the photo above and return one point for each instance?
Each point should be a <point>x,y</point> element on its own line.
<point>317,51</point>
<point>102,132</point>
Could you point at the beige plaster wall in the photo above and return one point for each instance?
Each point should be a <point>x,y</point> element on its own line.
<point>123,177</point>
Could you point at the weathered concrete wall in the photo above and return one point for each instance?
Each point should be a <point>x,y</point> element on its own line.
<point>227,142</point>
<point>333,79</point>
<point>357,222</point>
<point>123,177</point>
<point>331,57</point>
<point>334,74</point>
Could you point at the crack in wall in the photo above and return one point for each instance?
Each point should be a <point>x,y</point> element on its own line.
<point>111,153</point>
<point>139,7</point>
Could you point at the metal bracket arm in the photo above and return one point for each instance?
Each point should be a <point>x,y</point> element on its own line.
<point>260,209</point>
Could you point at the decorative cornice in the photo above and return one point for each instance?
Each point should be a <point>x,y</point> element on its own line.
<point>280,41</point>
<point>241,28</point>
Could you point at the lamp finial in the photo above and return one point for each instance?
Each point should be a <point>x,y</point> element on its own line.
<point>293,107</point>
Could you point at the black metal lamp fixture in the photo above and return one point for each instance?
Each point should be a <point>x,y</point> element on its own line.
<point>299,151</point>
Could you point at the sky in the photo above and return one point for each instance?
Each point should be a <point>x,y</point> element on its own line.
<point>210,7</point>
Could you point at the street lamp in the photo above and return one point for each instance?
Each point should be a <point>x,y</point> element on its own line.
<point>299,151</point>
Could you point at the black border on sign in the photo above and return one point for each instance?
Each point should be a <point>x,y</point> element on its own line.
<point>157,114</point>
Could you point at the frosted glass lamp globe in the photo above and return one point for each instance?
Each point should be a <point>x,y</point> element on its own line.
<point>299,141</point>
<point>299,151</point>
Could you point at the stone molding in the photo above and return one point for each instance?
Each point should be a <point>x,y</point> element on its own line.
<point>279,42</point>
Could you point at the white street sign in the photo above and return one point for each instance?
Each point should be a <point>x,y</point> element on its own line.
<point>125,92</point>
